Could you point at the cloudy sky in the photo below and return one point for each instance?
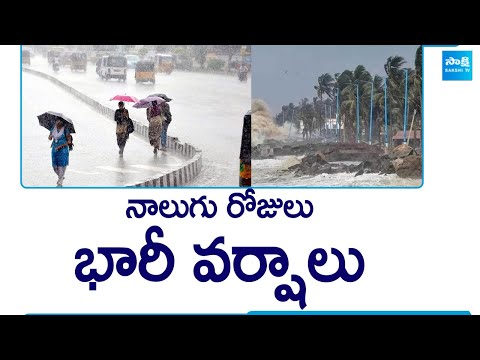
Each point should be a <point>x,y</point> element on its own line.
<point>287,73</point>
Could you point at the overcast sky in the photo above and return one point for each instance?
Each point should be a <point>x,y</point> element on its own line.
<point>287,73</point>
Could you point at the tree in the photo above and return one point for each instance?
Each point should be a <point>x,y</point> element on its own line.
<point>325,86</point>
<point>416,97</point>
<point>395,77</point>
<point>229,50</point>
<point>161,48</point>
<point>143,51</point>
<point>347,83</point>
<point>200,54</point>
<point>306,114</point>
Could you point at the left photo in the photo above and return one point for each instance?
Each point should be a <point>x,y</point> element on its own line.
<point>116,116</point>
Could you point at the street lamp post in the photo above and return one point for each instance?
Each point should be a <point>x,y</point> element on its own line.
<point>329,115</point>
<point>406,107</point>
<point>327,123</point>
<point>358,118</point>
<point>386,113</point>
<point>336,117</point>
<point>325,118</point>
<point>358,110</point>
<point>371,109</point>
<point>371,116</point>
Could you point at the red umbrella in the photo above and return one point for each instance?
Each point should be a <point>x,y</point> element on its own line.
<point>126,98</point>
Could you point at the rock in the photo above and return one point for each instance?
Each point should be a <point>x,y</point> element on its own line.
<point>325,169</point>
<point>295,167</point>
<point>311,159</point>
<point>402,151</point>
<point>308,160</point>
<point>321,158</point>
<point>360,172</point>
<point>386,166</point>
<point>409,167</point>
<point>396,163</point>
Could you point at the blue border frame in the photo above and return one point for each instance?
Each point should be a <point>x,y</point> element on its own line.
<point>394,312</point>
<point>231,187</point>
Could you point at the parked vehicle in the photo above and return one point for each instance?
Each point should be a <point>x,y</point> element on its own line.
<point>53,53</point>
<point>145,71</point>
<point>163,63</point>
<point>78,61</point>
<point>26,57</point>
<point>113,67</point>
<point>66,58</point>
<point>98,65</point>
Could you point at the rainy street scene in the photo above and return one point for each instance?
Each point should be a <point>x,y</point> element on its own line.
<point>133,115</point>
<point>337,116</point>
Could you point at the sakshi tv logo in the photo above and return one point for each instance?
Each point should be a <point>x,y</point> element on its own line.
<point>457,65</point>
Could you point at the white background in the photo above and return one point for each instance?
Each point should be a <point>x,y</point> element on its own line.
<point>420,245</point>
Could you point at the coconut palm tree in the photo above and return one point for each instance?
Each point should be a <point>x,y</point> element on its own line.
<point>347,83</point>
<point>325,86</point>
<point>415,97</point>
<point>378,107</point>
<point>306,114</point>
<point>395,71</point>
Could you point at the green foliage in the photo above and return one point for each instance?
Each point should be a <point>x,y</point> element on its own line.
<point>324,104</point>
<point>142,52</point>
<point>161,48</point>
<point>180,51</point>
<point>200,54</point>
<point>216,64</point>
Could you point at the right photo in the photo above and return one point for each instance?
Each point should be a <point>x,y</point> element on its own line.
<point>337,116</point>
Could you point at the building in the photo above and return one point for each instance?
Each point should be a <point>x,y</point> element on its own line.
<point>414,138</point>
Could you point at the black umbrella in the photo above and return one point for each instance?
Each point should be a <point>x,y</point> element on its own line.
<point>163,96</point>
<point>49,118</point>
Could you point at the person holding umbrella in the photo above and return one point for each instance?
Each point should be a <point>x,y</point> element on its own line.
<point>167,118</point>
<point>167,115</point>
<point>155,126</point>
<point>60,134</point>
<point>154,117</point>
<point>122,129</point>
<point>119,111</point>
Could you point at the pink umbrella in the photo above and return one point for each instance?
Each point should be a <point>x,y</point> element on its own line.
<point>126,98</point>
<point>147,102</point>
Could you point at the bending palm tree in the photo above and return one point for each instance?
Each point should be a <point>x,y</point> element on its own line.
<point>325,86</point>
